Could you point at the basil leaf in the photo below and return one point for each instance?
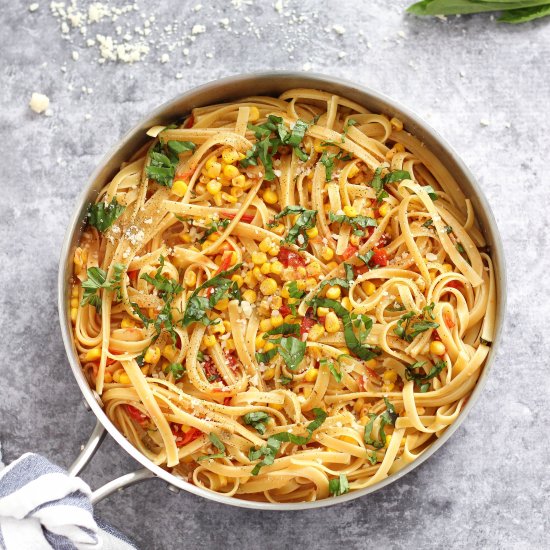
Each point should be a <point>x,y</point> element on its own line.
<point>294,291</point>
<point>168,288</point>
<point>215,440</point>
<point>350,122</point>
<point>306,220</point>
<point>411,374</point>
<point>366,258</point>
<point>431,193</point>
<point>285,380</point>
<point>179,147</point>
<point>102,215</point>
<point>357,222</point>
<point>266,356</point>
<point>327,160</point>
<point>338,486</point>
<point>214,227</point>
<point>388,417</point>
<point>337,375</point>
<point>177,370</point>
<point>268,452</point>
<point>257,420</point>
<point>285,328</point>
<point>292,351</point>
<point>428,223</point>
<point>96,280</point>
<point>378,181</point>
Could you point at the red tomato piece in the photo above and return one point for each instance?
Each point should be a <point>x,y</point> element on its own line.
<point>289,258</point>
<point>189,122</point>
<point>187,437</point>
<point>456,284</point>
<point>136,414</point>
<point>247,218</point>
<point>448,320</point>
<point>226,262</point>
<point>305,326</point>
<point>380,257</point>
<point>349,252</point>
<point>284,310</point>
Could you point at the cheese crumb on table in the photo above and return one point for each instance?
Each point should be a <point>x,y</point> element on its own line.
<point>39,102</point>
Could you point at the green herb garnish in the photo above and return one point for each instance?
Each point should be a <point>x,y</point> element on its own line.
<point>257,420</point>
<point>338,486</point>
<point>164,159</point>
<point>306,220</point>
<point>96,280</point>
<point>102,215</point>
<point>378,182</point>
<point>213,227</point>
<point>357,222</point>
<point>215,440</point>
<point>177,370</point>
<point>388,417</point>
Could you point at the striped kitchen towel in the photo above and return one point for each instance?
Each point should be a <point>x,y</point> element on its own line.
<point>41,508</point>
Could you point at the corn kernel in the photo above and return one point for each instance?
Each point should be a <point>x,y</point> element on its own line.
<point>230,344</point>
<point>369,287</point>
<point>208,340</point>
<point>384,209</point>
<point>237,279</point>
<point>268,374</point>
<point>279,229</point>
<point>249,296</point>
<point>447,268</point>
<point>266,268</point>
<point>276,302</point>
<point>388,440</point>
<point>74,314</point>
<point>210,162</point>
<point>253,114</point>
<point>289,319</point>
<point>317,146</point>
<point>327,254</point>
<point>311,375</point>
<point>277,321</point>
<point>213,187</point>
<point>74,291</point>
<point>397,124</point>
<point>332,265</point>
<point>390,376</point>
<point>302,272</point>
<point>107,378</point>
<point>331,322</point>
<point>322,311</point>
<point>257,272</point>
<point>364,420</point>
<point>222,304</point>
<point>312,233</point>
<point>346,302</point>
<point>230,171</point>
<point>229,156</point>
<point>259,258</point>
<point>269,346</point>
<point>265,325</point>
<point>127,322</point>
<point>276,267</point>
<point>437,348</point>
<point>314,269</point>
<point>359,404</point>
<point>265,245</point>
<point>152,355</point>
<point>371,363</point>
<point>333,293</point>
<point>268,286</point>
<point>92,354</point>
<point>350,211</point>
<point>124,378</point>
<point>116,376</point>
<point>353,171</point>
<point>249,280</point>
<point>185,237</point>
<point>190,278</point>
<point>218,328</point>
<point>270,197</point>
<point>145,369</point>
<point>170,353</point>
<point>260,341</point>
<point>239,181</point>
<point>316,332</point>
<point>179,188</point>
<point>355,240</point>
<point>227,197</point>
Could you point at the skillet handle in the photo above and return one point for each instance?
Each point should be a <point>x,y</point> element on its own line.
<point>86,454</point>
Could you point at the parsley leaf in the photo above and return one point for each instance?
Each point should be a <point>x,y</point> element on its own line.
<point>257,420</point>
<point>339,485</point>
<point>102,215</point>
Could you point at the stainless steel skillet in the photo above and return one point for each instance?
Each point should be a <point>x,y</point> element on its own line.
<point>235,87</point>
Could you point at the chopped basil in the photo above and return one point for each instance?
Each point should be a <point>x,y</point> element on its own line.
<point>294,291</point>
<point>460,248</point>
<point>257,420</point>
<point>306,220</point>
<point>102,214</point>
<point>214,227</point>
<point>378,182</point>
<point>448,229</point>
<point>167,288</point>
<point>367,257</point>
<point>411,330</point>
<point>215,440</point>
<point>338,486</point>
<point>177,370</point>
<point>357,222</point>
<point>420,377</point>
<point>372,458</point>
<point>337,375</point>
<point>285,380</point>
<point>285,329</point>
<point>292,351</point>
<point>266,356</point>
<point>197,306</point>
<point>388,417</point>
<point>431,193</point>
<point>327,160</point>
<point>344,283</point>
<point>163,161</point>
<point>96,280</point>
<point>485,342</point>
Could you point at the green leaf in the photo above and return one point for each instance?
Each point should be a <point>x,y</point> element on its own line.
<point>327,160</point>
<point>215,440</point>
<point>306,220</point>
<point>257,420</point>
<point>388,417</point>
<point>96,280</point>
<point>198,306</point>
<point>294,291</point>
<point>337,375</point>
<point>411,374</point>
<point>268,452</point>
<point>177,370</point>
<point>378,181</point>
<point>102,215</point>
<point>338,486</point>
<point>366,258</point>
<point>168,288</point>
<point>179,147</point>
<point>452,7</point>
<point>292,351</point>
<point>266,356</point>
<point>357,222</point>
<point>214,227</point>
<point>431,193</point>
<point>350,122</point>
<point>523,15</point>
<point>285,329</point>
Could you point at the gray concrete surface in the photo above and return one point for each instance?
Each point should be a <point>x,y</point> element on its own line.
<point>489,486</point>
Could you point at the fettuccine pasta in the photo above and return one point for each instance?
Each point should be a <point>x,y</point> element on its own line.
<point>283,299</point>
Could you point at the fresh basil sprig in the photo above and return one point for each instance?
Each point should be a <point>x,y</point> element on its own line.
<point>102,214</point>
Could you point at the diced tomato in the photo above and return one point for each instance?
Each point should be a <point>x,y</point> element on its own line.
<point>456,284</point>
<point>136,414</point>
<point>305,326</point>
<point>385,240</point>
<point>380,257</point>
<point>225,263</point>
<point>436,336</point>
<point>360,269</point>
<point>247,218</point>
<point>284,310</point>
<point>227,401</point>
<point>183,438</point>
<point>184,175</point>
<point>189,122</point>
<point>231,361</point>
<point>349,252</point>
<point>448,320</point>
<point>289,258</point>
<point>133,277</point>
<point>211,371</point>
<point>370,231</point>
